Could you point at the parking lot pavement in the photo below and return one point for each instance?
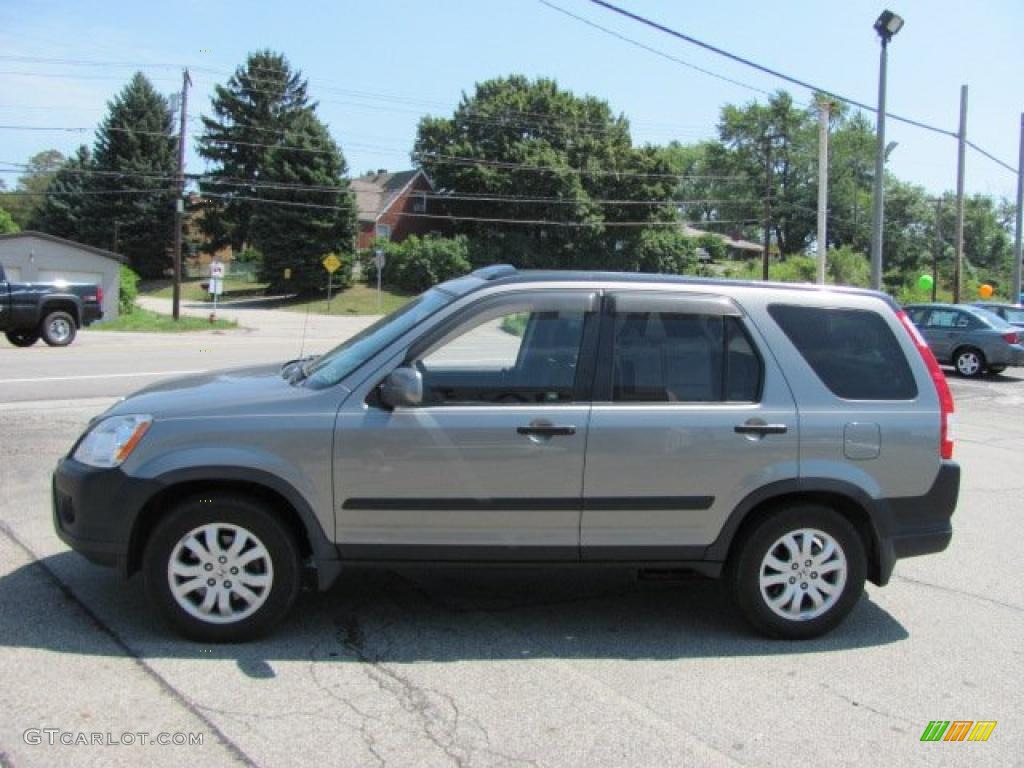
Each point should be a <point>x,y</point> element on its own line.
<point>574,667</point>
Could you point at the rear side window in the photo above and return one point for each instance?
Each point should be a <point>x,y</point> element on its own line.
<point>683,358</point>
<point>852,351</point>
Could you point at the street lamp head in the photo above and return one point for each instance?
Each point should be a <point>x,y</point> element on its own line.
<point>887,25</point>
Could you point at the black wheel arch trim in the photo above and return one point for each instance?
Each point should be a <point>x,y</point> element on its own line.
<point>324,552</point>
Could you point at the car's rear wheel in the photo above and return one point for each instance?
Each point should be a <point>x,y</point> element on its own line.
<point>222,568</point>
<point>798,572</point>
<point>22,338</point>
<point>58,329</point>
<point>969,362</point>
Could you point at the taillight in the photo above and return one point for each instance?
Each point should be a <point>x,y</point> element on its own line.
<point>99,294</point>
<point>946,408</point>
<point>1011,337</point>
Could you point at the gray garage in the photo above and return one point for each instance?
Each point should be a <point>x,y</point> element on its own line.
<point>35,257</point>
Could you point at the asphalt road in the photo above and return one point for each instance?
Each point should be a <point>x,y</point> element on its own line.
<point>571,667</point>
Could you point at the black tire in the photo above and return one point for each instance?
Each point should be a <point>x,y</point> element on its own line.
<point>58,329</point>
<point>995,370</point>
<point>262,527</point>
<point>745,568</point>
<point>22,338</point>
<point>969,362</point>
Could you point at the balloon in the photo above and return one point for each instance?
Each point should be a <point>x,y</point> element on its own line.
<point>985,291</point>
<point>925,282</point>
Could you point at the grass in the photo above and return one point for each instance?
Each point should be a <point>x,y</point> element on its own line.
<point>192,290</point>
<point>145,321</point>
<point>358,300</point>
<point>515,324</point>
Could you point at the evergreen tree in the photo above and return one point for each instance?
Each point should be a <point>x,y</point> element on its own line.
<point>288,230</point>
<point>62,212</point>
<point>265,138</point>
<point>135,160</point>
<point>30,192</point>
<point>250,114</point>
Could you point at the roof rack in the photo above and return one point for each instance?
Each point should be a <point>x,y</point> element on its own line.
<point>494,271</point>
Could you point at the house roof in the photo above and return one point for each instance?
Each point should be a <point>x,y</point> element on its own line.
<point>376,192</point>
<point>63,241</point>
<point>731,242</point>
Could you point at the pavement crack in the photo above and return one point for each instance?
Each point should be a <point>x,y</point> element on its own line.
<point>962,593</point>
<point>866,707</point>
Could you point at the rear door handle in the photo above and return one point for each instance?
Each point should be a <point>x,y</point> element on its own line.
<point>760,429</point>
<point>547,430</point>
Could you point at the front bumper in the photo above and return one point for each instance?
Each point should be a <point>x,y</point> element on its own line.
<point>94,510</point>
<point>917,525</point>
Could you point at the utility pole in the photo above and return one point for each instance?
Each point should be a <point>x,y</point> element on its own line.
<point>768,139</point>
<point>179,198</point>
<point>117,225</point>
<point>823,113</point>
<point>938,247</point>
<point>1015,298</point>
<point>961,157</point>
<point>878,206</point>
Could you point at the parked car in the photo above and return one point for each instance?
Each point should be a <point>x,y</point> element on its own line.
<point>972,340</point>
<point>791,440</point>
<point>51,311</point>
<point>1011,313</point>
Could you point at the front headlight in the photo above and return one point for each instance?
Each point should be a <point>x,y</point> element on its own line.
<point>112,440</point>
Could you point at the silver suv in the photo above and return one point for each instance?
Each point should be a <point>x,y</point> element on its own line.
<point>792,440</point>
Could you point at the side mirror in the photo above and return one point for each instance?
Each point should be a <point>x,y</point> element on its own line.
<point>402,387</point>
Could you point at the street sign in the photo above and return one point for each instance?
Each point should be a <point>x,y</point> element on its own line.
<point>217,269</point>
<point>216,286</point>
<point>331,263</point>
<point>379,259</point>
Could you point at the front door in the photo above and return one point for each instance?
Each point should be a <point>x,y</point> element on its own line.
<point>689,417</point>
<point>490,466</point>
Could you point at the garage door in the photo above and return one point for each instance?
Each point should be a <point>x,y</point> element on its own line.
<point>13,274</point>
<point>67,276</point>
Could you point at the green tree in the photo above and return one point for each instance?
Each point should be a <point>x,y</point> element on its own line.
<point>30,192</point>
<point>296,228</point>
<point>135,160</point>
<point>63,213</point>
<point>7,223</point>
<point>554,159</point>
<point>251,113</point>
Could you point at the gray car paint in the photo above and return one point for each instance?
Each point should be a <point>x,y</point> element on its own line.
<point>987,336</point>
<point>331,446</point>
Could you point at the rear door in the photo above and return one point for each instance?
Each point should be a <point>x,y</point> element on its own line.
<point>690,415</point>
<point>944,330</point>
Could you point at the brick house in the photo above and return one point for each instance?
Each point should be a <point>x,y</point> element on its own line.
<point>392,205</point>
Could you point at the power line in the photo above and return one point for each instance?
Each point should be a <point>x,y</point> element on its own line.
<point>761,68</point>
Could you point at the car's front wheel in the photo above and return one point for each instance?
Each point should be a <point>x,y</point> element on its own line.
<point>222,568</point>
<point>22,338</point>
<point>798,572</point>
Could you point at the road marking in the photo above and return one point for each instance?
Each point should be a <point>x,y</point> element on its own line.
<point>100,376</point>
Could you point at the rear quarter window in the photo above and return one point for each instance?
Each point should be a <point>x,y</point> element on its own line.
<point>852,351</point>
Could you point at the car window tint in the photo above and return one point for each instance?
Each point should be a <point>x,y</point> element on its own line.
<point>944,318</point>
<point>507,358</point>
<point>686,358</point>
<point>1015,316</point>
<point>852,351</point>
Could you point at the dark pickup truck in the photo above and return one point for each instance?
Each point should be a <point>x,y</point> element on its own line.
<point>51,311</point>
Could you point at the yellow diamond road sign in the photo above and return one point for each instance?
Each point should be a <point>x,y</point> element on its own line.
<point>331,263</point>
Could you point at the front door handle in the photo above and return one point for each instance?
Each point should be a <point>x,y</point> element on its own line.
<point>760,429</point>
<point>546,430</point>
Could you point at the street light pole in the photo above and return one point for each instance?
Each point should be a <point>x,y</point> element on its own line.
<point>887,25</point>
<point>1015,297</point>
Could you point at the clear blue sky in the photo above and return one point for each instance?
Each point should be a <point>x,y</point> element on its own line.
<point>376,67</point>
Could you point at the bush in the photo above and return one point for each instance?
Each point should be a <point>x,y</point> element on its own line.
<point>129,291</point>
<point>848,267</point>
<point>795,269</point>
<point>418,263</point>
<point>665,251</point>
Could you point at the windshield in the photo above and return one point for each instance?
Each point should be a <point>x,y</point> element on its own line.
<point>329,369</point>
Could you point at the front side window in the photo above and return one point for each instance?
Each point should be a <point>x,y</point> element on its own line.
<point>683,358</point>
<point>853,351</point>
<point>516,354</point>
<point>949,319</point>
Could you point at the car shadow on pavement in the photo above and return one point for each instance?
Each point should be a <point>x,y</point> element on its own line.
<point>409,615</point>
